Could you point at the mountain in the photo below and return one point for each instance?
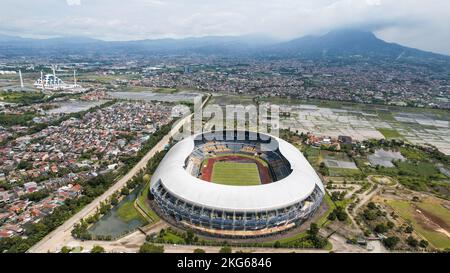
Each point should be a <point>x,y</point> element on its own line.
<point>217,45</point>
<point>336,44</point>
<point>347,43</point>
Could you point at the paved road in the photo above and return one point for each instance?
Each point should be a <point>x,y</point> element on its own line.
<point>62,235</point>
<point>132,243</point>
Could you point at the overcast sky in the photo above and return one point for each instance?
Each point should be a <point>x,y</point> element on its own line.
<point>423,24</point>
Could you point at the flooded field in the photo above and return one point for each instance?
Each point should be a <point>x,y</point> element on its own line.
<point>384,158</point>
<point>361,124</point>
<point>339,160</point>
<point>74,106</point>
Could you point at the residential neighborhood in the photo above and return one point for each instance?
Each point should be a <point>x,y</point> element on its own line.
<point>38,172</point>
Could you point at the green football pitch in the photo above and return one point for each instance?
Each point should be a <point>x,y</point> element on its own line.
<point>235,174</point>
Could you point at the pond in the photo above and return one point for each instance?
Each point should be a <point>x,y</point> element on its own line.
<point>113,224</point>
<point>384,158</point>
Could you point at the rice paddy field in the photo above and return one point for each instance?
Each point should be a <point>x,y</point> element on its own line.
<point>236,174</point>
<point>390,133</point>
<point>369,122</point>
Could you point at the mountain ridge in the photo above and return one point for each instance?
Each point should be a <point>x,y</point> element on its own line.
<point>334,44</point>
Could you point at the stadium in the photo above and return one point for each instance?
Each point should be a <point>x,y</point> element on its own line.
<point>236,184</point>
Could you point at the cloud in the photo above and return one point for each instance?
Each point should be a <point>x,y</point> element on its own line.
<point>417,23</point>
<point>73,2</point>
<point>373,2</point>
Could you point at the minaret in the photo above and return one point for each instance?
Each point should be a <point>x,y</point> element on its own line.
<point>21,79</point>
<point>74,78</point>
<point>54,74</point>
<point>42,81</point>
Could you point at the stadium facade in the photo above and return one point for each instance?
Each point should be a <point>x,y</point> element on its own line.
<point>292,197</point>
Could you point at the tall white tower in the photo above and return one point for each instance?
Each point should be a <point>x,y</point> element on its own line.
<point>21,79</point>
<point>54,72</point>
<point>42,80</point>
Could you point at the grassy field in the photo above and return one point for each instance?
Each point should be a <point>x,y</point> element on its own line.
<point>141,202</point>
<point>406,210</point>
<point>127,212</point>
<point>389,133</point>
<point>231,99</point>
<point>343,172</point>
<point>436,209</point>
<point>385,115</point>
<point>312,154</point>
<point>423,169</point>
<point>236,174</point>
<point>413,154</point>
<point>166,90</point>
<point>173,238</point>
<point>21,97</point>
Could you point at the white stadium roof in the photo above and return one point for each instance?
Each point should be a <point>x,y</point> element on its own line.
<point>291,190</point>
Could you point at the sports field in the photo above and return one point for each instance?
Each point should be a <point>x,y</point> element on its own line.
<point>236,174</point>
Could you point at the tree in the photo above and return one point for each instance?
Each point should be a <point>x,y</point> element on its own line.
<point>335,196</point>
<point>370,214</point>
<point>97,249</point>
<point>24,165</point>
<point>332,216</point>
<point>162,232</point>
<point>381,228</point>
<point>390,225</point>
<point>423,243</point>
<point>409,229</point>
<point>189,237</point>
<point>36,196</point>
<point>146,178</point>
<point>151,248</point>
<point>391,242</point>
<point>277,244</point>
<point>323,169</point>
<point>125,191</point>
<point>412,242</point>
<point>199,250</point>
<point>313,229</point>
<point>114,201</point>
<point>226,249</point>
<point>341,214</point>
<point>371,205</point>
<point>65,249</point>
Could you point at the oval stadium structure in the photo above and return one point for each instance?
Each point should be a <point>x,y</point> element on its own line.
<point>237,184</point>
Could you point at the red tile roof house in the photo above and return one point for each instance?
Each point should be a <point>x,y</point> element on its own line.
<point>6,233</point>
<point>13,228</point>
<point>5,216</point>
<point>76,189</point>
<point>54,169</point>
